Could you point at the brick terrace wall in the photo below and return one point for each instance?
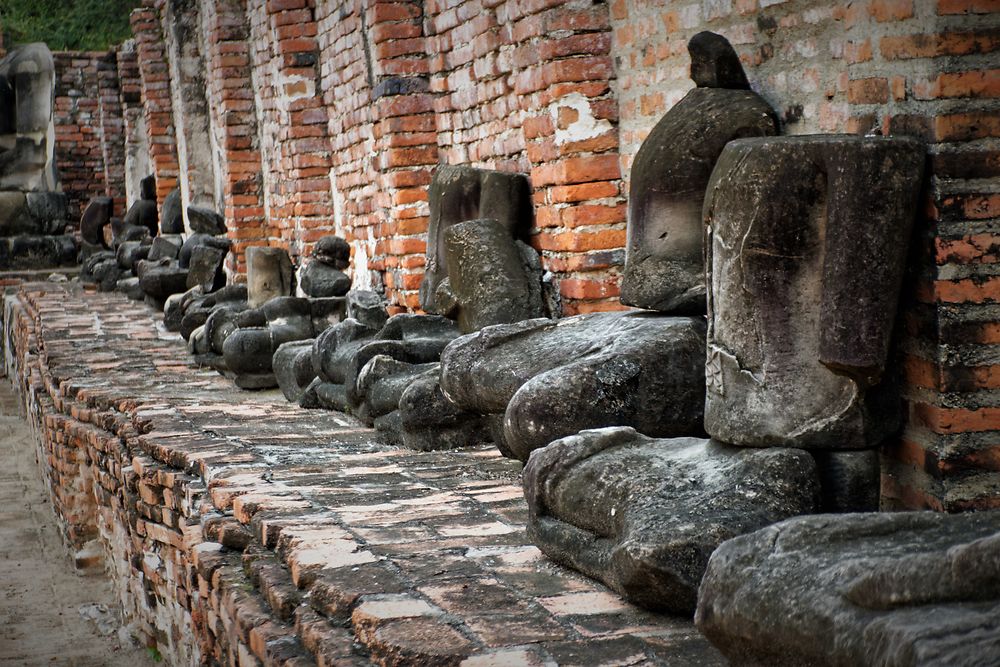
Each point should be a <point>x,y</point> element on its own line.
<point>88,129</point>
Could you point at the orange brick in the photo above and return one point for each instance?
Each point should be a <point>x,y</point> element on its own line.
<point>868,91</point>
<point>890,10</point>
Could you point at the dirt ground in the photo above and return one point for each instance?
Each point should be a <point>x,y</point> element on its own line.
<point>49,614</point>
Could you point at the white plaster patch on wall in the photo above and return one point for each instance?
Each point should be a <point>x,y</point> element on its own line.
<point>363,249</point>
<point>586,126</point>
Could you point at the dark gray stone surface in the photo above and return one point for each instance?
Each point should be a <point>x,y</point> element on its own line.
<point>205,268</point>
<point>908,588</point>
<point>14,215</point>
<point>195,240</point>
<point>94,217</point>
<point>552,378</point>
<point>715,64</point>
<point>147,188</point>
<point>808,242</point>
<point>664,266</point>
<point>319,279</point>
<point>172,220</point>
<point>143,213</point>
<point>368,308</point>
<point>293,369</point>
<point>428,420</point>
<point>492,277</point>
<point>49,209</point>
<point>459,193</point>
<point>163,248</point>
<point>332,251</point>
<point>644,515</point>
<point>159,279</point>
<point>205,221</point>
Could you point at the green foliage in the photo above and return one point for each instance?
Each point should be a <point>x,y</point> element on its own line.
<point>66,25</point>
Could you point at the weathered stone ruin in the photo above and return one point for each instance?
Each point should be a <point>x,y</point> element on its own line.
<point>581,360</point>
<point>32,209</point>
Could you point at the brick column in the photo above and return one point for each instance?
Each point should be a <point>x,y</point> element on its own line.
<point>292,122</point>
<point>112,128</point>
<point>157,108</point>
<point>234,124</point>
<point>136,160</point>
<point>77,120</point>
<point>927,71</point>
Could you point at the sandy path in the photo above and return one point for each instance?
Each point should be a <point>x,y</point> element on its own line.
<point>41,596</point>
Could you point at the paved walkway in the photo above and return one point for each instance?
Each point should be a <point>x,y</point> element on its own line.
<point>419,556</point>
<point>43,602</point>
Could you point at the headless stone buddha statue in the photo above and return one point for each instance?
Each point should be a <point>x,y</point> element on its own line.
<point>664,263</point>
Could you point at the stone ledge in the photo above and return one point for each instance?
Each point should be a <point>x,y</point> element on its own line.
<point>240,528</point>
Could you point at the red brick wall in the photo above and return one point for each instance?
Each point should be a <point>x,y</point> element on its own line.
<point>330,116</point>
<point>153,74</point>
<point>88,129</point>
<point>932,71</point>
<point>234,125</point>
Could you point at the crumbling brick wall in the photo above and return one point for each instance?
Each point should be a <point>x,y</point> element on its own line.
<point>88,129</point>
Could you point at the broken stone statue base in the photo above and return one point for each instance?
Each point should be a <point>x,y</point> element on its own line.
<point>644,515</point>
<point>907,588</point>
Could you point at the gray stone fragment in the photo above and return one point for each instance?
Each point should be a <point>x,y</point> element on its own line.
<point>492,278</point>
<point>94,218</point>
<point>172,220</point>
<point>147,188</point>
<point>808,239</point>
<point>159,279</point>
<point>368,308</point>
<point>332,251</point>
<point>554,377</point>
<point>131,252</point>
<point>459,193</point>
<point>163,248</point>
<point>907,588</point>
<point>196,240</point>
<point>49,209</point>
<point>850,479</point>
<point>14,215</point>
<point>205,268</point>
<point>428,420</point>
<point>714,63</point>
<point>130,287</point>
<point>269,274</point>
<point>644,515</point>
<point>143,213</point>
<point>205,221</point>
<point>318,279</point>
<point>293,369</point>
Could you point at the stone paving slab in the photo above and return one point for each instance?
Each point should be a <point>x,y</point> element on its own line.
<point>356,551</point>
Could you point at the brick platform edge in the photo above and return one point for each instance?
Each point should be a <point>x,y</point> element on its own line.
<point>240,529</point>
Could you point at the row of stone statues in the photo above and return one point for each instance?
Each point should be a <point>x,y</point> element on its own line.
<point>767,270</point>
